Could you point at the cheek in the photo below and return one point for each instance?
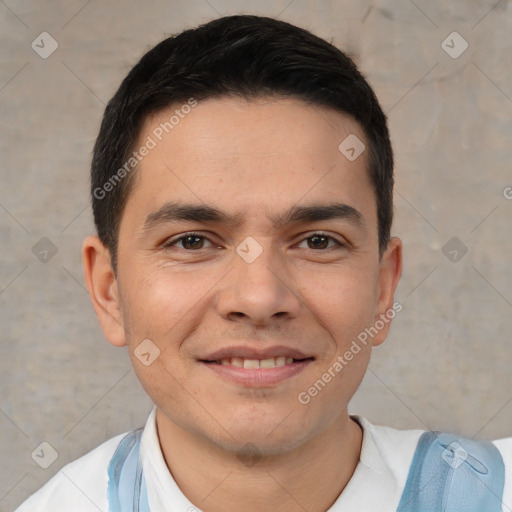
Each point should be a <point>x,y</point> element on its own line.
<point>342,301</point>
<point>161,302</point>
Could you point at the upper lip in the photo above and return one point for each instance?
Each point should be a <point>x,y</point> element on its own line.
<point>248,352</point>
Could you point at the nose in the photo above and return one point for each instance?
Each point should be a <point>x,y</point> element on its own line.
<point>258,293</point>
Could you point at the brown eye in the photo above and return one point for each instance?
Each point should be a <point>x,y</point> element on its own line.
<point>192,242</point>
<point>319,241</point>
<point>188,241</point>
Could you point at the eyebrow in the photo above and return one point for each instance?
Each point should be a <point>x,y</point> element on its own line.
<point>175,211</point>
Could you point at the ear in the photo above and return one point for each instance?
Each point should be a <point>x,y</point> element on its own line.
<point>389,275</point>
<point>102,285</point>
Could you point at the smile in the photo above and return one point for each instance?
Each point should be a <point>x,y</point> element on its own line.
<point>258,372</point>
<point>254,364</point>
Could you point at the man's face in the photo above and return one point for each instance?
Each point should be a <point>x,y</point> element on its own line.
<point>260,286</point>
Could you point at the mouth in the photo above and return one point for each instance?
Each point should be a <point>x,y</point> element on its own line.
<point>257,364</point>
<point>252,372</point>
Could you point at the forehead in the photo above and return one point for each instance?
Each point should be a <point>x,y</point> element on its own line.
<point>267,125</point>
<point>249,156</point>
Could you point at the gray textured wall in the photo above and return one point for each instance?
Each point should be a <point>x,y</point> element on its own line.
<point>446,363</point>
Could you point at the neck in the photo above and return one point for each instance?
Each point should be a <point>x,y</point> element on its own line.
<point>309,477</point>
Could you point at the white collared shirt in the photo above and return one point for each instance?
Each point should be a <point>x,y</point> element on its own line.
<point>377,483</point>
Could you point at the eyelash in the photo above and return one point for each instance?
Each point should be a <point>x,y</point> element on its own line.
<point>170,243</point>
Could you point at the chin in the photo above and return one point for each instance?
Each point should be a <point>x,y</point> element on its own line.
<point>268,437</point>
<point>257,446</point>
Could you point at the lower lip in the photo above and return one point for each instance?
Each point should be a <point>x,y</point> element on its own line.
<point>258,377</point>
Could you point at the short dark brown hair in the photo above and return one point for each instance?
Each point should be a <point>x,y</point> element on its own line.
<point>244,56</point>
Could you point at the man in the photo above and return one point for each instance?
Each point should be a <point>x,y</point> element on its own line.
<point>242,192</point>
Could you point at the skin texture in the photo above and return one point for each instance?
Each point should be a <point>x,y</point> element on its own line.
<point>256,159</point>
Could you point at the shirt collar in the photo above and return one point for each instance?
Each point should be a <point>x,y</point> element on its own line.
<point>377,482</point>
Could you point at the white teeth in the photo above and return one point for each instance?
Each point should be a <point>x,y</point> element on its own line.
<point>254,364</point>
<point>268,363</point>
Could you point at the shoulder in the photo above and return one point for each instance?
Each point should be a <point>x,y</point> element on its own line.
<point>389,436</point>
<point>80,486</point>
<point>380,476</point>
<point>505,448</point>
<point>421,458</point>
<point>395,447</point>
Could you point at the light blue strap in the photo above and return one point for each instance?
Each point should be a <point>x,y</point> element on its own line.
<point>126,484</point>
<point>451,474</point>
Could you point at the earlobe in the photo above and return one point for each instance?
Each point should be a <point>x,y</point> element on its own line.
<point>389,277</point>
<point>103,291</point>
